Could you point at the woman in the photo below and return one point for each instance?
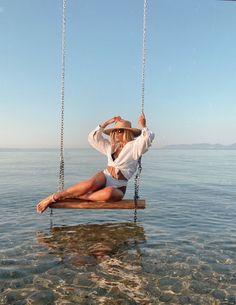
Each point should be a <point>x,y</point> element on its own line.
<point>123,150</point>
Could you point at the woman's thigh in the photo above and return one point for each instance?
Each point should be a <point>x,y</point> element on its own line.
<point>97,182</point>
<point>107,194</point>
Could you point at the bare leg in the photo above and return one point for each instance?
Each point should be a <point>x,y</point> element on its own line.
<point>106,194</point>
<point>91,185</point>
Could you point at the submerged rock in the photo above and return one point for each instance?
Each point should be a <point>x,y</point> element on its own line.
<point>219,294</point>
<point>200,287</point>
<point>43,297</point>
<point>11,296</point>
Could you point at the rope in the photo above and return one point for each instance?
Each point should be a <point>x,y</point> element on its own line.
<point>144,48</point>
<point>63,53</point>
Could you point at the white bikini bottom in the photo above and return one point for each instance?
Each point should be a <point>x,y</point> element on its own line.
<point>110,181</point>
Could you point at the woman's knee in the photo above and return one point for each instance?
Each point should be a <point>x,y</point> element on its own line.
<point>96,182</point>
<point>112,194</point>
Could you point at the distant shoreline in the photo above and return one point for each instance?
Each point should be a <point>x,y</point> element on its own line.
<point>201,146</point>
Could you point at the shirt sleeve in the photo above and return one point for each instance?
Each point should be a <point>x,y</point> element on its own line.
<point>142,143</point>
<point>97,141</point>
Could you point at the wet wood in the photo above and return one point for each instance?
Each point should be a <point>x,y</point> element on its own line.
<point>79,204</point>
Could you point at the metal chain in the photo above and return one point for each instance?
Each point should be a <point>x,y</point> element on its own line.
<point>144,49</point>
<point>63,56</point>
<point>63,53</point>
<point>138,174</point>
<point>136,187</point>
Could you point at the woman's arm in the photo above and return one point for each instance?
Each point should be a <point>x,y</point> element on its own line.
<point>96,139</point>
<point>144,141</point>
<point>110,121</point>
<point>142,120</point>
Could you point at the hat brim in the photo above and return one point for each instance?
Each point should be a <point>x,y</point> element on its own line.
<point>136,132</point>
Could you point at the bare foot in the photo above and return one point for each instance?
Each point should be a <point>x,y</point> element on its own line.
<point>43,205</point>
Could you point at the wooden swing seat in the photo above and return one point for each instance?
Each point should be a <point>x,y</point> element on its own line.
<point>79,204</point>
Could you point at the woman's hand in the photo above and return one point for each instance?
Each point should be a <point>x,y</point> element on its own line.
<point>111,121</point>
<point>142,120</point>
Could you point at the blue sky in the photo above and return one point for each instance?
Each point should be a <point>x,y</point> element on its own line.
<point>190,71</point>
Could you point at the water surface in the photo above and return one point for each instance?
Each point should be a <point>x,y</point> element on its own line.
<point>182,249</point>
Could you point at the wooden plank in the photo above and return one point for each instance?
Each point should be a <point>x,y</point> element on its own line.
<point>79,204</point>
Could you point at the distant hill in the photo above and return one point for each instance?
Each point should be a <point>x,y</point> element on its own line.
<point>203,146</point>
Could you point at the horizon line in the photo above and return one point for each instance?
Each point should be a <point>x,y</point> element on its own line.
<point>88,147</point>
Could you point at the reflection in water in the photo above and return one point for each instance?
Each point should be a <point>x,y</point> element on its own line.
<point>106,258</point>
<point>90,244</point>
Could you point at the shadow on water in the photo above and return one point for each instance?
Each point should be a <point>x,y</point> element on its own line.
<point>89,244</point>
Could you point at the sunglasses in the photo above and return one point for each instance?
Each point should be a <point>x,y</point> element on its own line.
<point>119,130</point>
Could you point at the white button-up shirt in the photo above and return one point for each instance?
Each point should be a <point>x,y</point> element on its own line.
<point>127,161</point>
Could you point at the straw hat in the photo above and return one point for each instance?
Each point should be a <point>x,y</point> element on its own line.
<point>122,124</point>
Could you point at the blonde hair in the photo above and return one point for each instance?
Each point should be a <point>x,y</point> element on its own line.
<point>127,137</point>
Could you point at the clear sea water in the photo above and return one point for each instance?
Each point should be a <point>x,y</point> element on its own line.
<point>181,250</point>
